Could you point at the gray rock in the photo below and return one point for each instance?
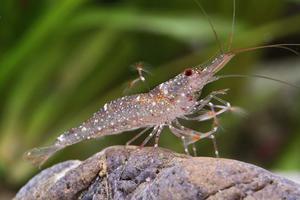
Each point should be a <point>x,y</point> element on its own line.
<point>132,173</point>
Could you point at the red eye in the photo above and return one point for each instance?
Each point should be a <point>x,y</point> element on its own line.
<point>188,72</point>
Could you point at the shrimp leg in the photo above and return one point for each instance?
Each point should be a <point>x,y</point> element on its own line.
<point>179,134</point>
<point>213,95</point>
<point>157,136</point>
<point>213,115</point>
<point>216,123</point>
<point>188,135</point>
<point>137,136</point>
<point>156,130</point>
<point>194,149</point>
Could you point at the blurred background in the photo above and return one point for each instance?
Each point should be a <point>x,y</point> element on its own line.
<point>61,60</point>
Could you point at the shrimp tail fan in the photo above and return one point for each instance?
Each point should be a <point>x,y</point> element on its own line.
<point>38,156</point>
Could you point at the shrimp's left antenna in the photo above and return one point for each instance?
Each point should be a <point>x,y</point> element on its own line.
<point>211,25</point>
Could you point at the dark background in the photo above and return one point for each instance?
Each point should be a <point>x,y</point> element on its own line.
<point>61,60</point>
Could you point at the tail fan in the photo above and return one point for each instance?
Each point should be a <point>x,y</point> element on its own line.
<point>38,156</point>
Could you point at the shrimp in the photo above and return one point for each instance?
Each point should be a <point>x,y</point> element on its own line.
<point>163,106</point>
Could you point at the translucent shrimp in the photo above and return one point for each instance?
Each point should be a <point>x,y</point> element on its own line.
<point>163,106</point>
<point>156,109</point>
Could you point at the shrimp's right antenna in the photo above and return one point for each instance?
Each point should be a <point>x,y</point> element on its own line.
<point>257,76</point>
<point>211,25</point>
<point>280,46</point>
<point>232,26</point>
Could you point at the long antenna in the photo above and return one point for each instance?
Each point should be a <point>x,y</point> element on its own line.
<point>232,26</point>
<point>211,25</point>
<point>280,46</point>
<point>257,76</point>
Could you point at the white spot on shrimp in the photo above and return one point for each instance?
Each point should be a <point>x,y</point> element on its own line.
<point>83,129</point>
<point>61,138</point>
<point>165,91</point>
<point>105,107</point>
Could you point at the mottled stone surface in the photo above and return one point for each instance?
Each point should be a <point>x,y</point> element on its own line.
<point>130,173</point>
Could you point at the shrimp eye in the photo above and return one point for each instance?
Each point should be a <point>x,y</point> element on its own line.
<point>188,72</point>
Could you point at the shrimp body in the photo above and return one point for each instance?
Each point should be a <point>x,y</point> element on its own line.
<point>160,107</point>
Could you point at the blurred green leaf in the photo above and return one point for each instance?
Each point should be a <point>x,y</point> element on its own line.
<point>43,28</point>
<point>184,27</point>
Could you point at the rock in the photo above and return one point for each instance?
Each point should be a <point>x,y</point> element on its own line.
<point>155,173</point>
